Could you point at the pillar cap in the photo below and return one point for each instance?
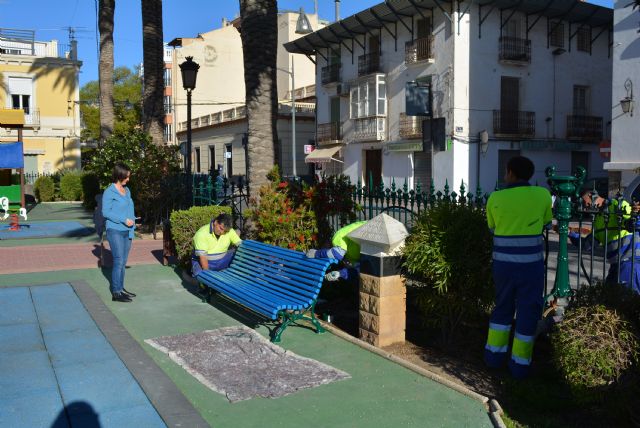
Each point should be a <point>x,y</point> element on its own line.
<point>381,235</point>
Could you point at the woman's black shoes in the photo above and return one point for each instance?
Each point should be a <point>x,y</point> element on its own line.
<point>120,297</point>
<point>128,293</point>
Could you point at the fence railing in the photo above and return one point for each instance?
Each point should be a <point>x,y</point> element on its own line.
<point>410,126</point>
<point>584,127</point>
<point>328,132</point>
<point>369,63</point>
<point>514,123</point>
<point>515,49</point>
<point>419,50</point>
<point>330,73</point>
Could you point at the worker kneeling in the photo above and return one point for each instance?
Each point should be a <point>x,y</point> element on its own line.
<point>211,245</point>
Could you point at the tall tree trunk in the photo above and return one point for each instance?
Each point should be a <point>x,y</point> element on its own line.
<point>105,68</point>
<point>259,33</point>
<point>153,77</point>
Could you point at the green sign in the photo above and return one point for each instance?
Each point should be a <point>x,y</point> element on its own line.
<point>405,146</point>
<point>555,145</point>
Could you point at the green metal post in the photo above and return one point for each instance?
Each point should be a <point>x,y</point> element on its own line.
<point>563,187</point>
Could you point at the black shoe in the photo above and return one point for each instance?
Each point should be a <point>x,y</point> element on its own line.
<point>128,293</point>
<point>120,297</point>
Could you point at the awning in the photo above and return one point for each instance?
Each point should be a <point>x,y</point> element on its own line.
<point>324,154</point>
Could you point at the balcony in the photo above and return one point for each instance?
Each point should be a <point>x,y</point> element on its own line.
<point>369,64</point>
<point>515,50</point>
<point>329,133</point>
<point>330,73</point>
<point>410,126</point>
<point>419,50</point>
<point>584,127</point>
<point>32,118</point>
<point>514,123</point>
<point>369,129</point>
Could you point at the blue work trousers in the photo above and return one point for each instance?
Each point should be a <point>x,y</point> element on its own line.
<point>120,244</point>
<point>519,291</point>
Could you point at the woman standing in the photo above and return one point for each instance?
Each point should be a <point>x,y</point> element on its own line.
<point>117,209</point>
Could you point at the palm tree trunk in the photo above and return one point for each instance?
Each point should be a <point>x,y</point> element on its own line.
<point>105,73</point>
<point>153,77</point>
<point>259,33</point>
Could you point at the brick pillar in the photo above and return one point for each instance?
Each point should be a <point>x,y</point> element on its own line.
<point>383,298</point>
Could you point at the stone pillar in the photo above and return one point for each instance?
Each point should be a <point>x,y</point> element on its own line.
<point>382,309</point>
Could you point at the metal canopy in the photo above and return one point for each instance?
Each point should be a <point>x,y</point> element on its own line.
<point>390,11</point>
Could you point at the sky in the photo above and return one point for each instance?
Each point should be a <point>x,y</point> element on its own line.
<point>181,18</point>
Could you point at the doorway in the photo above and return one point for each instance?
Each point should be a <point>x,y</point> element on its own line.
<point>372,168</point>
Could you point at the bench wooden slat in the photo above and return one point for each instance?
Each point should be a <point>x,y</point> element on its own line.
<point>272,289</point>
<point>277,267</point>
<point>278,274</point>
<point>278,289</point>
<point>294,258</point>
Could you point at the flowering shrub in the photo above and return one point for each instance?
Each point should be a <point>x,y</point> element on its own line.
<point>282,218</point>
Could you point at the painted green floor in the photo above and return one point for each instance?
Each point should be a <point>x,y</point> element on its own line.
<point>380,393</point>
<point>55,211</point>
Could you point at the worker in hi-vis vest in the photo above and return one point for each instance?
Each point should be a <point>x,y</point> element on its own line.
<point>517,215</point>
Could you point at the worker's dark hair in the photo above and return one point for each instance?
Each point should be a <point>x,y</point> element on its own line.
<point>224,220</point>
<point>521,167</point>
<point>120,172</point>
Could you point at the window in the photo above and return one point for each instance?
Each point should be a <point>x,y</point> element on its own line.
<point>167,104</point>
<point>368,98</point>
<point>21,91</point>
<point>212,159</point>
<point>581,101</point>
<point>167,133</point>
<point>579,159</point>
<point>584,39</point>
<point>556,35</point>
<point>167,77</point>
<point>197,156</point>
<point>334,56</point>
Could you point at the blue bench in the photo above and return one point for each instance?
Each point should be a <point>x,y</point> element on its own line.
<point>274,282</point>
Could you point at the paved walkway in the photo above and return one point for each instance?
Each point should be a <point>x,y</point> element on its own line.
<point>45,258</point>
<point>57,368</point>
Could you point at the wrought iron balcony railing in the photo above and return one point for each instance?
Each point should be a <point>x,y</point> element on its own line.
<point>515,49</point>
<point>369,128</point>
<point>329,132</point>
<point>32,117</point>
<point>584,127</point>
<point>330,73</point>
<point>368,64</point>
<point>419,50</point>
<point>514,123</point>
<point>410,126</point>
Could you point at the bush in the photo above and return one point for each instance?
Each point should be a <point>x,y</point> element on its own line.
<point>283,216</point>
<point>71,186</point>
<point>44,188</point>
<point>185,223</point>
<point>449,253</point>
<point>592,348</point>
<point>90,188</point>
<point>151,167</point>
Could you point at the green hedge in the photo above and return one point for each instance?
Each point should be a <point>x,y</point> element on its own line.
<point>184,225</point>
<point>90,188</point>
<point>44,189</point>
<point>71,186</point>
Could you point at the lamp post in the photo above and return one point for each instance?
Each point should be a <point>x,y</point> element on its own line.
<point>627,102</point>
<point>189,71</point>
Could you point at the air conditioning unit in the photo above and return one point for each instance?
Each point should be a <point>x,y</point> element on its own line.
<point>342,89</point>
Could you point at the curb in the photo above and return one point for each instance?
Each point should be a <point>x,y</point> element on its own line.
<point>493,407</point>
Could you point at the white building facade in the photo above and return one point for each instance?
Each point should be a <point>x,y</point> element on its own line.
<point>533,77</point>
<point>625,150</point>
<point>218,101</point>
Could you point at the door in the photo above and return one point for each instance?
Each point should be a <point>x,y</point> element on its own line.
<point>212,159</point>
<point>228,160</point>
<point>509,104</point>
<point>422,168</point>
<point>372,168</point>
<point>197,155</point>
<point>581,101</point>
<point>503,158</point>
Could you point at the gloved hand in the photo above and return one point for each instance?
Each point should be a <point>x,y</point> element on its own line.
<point>332,276</point>
<point>311,253</point>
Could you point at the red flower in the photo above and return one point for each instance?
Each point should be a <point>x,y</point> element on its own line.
<point>314,237</point>
<point>292,245</point>
<point>280,220</point>
<point>289,210</point>
<point>301,238</point>
<point>282,185</point>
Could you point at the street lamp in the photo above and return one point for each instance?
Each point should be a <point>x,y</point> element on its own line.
<point>627,102</point>
<point>292,73</point>
<point>189,70</point>
<point>303,26</point>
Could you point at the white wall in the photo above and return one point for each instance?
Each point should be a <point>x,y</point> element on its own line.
<point>625,152</point>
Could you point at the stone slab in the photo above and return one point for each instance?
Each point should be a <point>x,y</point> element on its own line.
<point>383,305</point>
<point>382,287</point>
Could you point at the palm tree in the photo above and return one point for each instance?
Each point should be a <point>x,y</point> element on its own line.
<point>105,70</point>
<point>259,33</point>
<point>153,83</point>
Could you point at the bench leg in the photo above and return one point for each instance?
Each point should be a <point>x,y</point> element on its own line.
<point>277,333</point>
<point>314,319</point>
<point>205,293</point>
